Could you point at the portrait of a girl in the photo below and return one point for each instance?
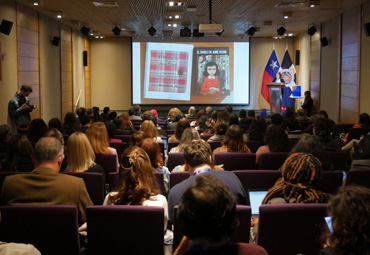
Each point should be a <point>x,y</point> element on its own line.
<point>211,83</point>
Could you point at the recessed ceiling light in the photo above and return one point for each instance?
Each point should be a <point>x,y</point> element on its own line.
<point>287,15</point>
<point>35,2</point>
<point>59,15</point>
<point>172,3</point>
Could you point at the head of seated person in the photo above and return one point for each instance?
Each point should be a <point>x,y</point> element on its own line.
<point>207,212</point>
<point>300,175</point>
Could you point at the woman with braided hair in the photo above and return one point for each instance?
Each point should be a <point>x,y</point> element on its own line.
<point>301,173</point>
<point>137,183</point>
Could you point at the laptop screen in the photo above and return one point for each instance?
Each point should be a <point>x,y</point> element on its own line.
<point>256,197</point>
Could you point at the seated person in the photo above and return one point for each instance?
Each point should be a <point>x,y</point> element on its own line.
<point>207,218</point>
<point>350,216</point>
<point>233,141</point>
<point>363,158</point>
<point>198,160</point>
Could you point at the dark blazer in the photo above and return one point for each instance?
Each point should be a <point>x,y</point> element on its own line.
<point>46,187</point>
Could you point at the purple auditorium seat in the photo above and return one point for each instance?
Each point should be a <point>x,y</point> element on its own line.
<point>170,131</point>
<point>341,128</point>
<point>338,159</point>
<point>124,138</point>
<point>178,177</point>
<point>236,160</point>
<point>108,162</point>
<point>171,145</point>
<point>330,181</point>
<point>356,133</point>
<point>161,147</point>
<point>257,179</point>
<point>120,147</point>
<point>114,179</point>
<point>215,144</point>
<point>272,160</point>
<point>206,136</point>
<point>254,145</point>
<point>241,235</point>
<point>175,159</point>
<point>291,228</point>
<point>2,156</point>
<point>358,177</point>
<point>94,185</point>
<point>132,229</point>
<point>52,229</point>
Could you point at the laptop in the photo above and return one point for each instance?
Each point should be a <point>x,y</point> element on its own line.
<point>256,197</point>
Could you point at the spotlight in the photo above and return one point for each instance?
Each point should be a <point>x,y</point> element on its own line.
<point>324,41</point>
<point>281,30</point>
<point>116,30</point>
<point>312,30</point>
<point>185,32</point>
<point>152,31</point>
<point>251,31</point>
<point>85,30</point>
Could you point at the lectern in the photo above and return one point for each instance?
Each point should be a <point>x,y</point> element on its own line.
<point>275,96</point>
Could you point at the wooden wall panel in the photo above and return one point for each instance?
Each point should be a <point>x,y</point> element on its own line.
<point>28,54</point>
<point>66,70</point>
<point>350,68</point>
<point>315,52</point>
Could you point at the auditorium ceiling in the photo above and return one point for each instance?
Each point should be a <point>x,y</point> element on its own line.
<point>136,16</point>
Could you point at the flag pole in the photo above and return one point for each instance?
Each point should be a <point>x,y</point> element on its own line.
<point>273,46</point>
<point>286,45</point>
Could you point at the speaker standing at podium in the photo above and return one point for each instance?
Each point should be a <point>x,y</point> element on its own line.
<point>279,78</point>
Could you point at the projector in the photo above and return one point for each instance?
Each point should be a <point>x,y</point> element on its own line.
<point>211,28</point>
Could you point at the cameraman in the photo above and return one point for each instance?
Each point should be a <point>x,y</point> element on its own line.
<point>19,109</point>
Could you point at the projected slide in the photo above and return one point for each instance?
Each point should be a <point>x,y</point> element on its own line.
<point>190,73</point>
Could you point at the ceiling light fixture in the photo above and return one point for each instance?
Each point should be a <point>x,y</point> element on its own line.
<point>281,30</point>
<point>35,2</point>
<point>116,30</point>
<point>59,15</point>
<point>152,31</point>
<point>313,3</point>
<point>173,3</point>
<point>173,15</point>
<point>311,30</point>
<point>287,15</point>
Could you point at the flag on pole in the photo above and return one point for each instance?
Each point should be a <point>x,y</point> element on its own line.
<point>271,68</point>
<point>288,71</point>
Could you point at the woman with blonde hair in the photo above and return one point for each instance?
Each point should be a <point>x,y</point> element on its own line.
<point>189,135</point>
<point>137,183</point>
<point>81,155</point>
<point>98,136</point>
<point>150,131</point>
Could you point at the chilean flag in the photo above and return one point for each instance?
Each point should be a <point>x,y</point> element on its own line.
<point>272,67</point>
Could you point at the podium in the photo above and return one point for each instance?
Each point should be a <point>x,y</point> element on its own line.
<point>275,96</point>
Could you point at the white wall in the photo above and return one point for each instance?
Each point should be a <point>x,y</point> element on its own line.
<point>304,65</point>
<point>78,68</point>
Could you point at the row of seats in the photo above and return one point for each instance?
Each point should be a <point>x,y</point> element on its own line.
<point>53,229</point>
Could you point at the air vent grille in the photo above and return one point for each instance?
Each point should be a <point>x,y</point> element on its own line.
<point>110,4</point>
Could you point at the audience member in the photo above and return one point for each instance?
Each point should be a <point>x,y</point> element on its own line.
<point>276,140</point>
<point>131,113</point>
<point>127,126</point>
<point>151,147</point>
<point>197,118</point>
<point>311,144</point>
<point>199,160</point>
<point>136,138</point>
<point>137,183</point>
<point>44,185</point>
<point>191,112</point>
<point>234,120</point>
<point>301,172</point>
<point>56,123</point>
<point>214,116</point>
<point>223,116</point>
<point>363,158</point>
<point>137,109</point>
<point>277,119</point>
<point>105,114</point>
<point>150,131</point>
<point>173,116</point>
<point>58,135</point>
<point>322,128</point>
<point>112,115</point>
<point>350,216</point>
<point>189,135</point>
<point>302,116</point>
<point>233,141</point>
<point>5,135</point>
<point>180,127</point>
<point>18,155</point>
<point>81,156</point>
<point>229,109</point>
<point>220,131</point>
<point>243,120</point>
<point>81,111</point>
<point>85,123</point>
<point>209,111</point>
<point>36,130</point>
<point>155,113</point>
<point>99,140</point>
<point>70,123</point>
<point>90,113</point>
<point>256,130</point>
<point>290,123</point>
<point>207,218</point>
<point>206,125</point>
<point>111,129</point>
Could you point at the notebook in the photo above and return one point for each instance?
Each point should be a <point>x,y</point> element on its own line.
<point>256,197</point>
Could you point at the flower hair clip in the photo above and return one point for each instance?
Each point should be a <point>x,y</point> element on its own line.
<point>132,160</point>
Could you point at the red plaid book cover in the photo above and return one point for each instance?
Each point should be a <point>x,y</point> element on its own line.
<point>169,72</point>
